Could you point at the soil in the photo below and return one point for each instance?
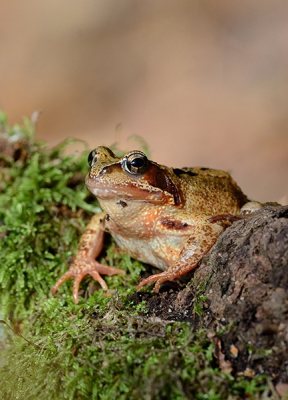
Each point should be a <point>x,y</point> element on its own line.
<point>239,292</point>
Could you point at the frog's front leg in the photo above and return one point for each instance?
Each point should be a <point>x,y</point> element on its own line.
<point>90,246</point>
<point>197,245</point>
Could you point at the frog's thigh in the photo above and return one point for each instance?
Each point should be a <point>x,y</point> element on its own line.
<point>195,248</point>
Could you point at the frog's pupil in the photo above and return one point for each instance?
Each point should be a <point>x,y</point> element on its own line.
<point>137,162</point>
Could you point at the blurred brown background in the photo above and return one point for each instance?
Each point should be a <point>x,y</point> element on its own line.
<point>204,82</point>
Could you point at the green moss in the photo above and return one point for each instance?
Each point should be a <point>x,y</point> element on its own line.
<point>101,352</point>
<point>104,347</point>
<point>41,210</point>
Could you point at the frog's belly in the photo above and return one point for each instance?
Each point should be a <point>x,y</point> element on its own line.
<point>154,252</point>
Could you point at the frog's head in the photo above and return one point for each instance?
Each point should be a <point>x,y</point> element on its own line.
<point>131,177</point>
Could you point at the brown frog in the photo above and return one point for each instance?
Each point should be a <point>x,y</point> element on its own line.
<point>166,217</point>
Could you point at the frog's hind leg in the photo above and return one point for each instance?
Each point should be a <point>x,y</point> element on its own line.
<point>195,248</point>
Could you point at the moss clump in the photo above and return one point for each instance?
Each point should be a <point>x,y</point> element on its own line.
<point>42,202</point>
<point>105,350</point>
<point>105,347</point>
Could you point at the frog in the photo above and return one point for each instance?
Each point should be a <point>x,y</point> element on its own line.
<point>162,216</point>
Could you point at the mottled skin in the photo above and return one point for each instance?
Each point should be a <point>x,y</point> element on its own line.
<point>158,215</point>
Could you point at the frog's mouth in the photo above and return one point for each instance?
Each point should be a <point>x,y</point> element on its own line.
<point>130,190</point>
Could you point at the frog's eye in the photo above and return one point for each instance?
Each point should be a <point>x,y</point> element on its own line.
<point>135,163</point>
<point>91,158</point>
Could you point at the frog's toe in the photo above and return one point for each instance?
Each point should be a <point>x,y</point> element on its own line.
<point>159,278</point>
<point>61,280</point>
<point>159,282</point>
<point>75,290</point>
<point>105,270</point>
<point>78,278</point>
